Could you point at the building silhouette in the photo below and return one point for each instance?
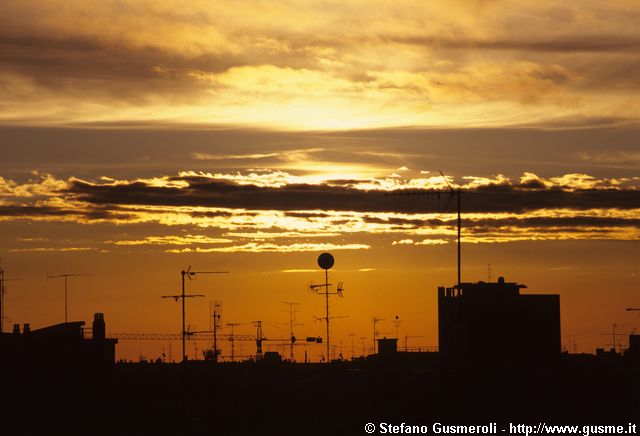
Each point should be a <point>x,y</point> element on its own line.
<point>64,344</point>
<point>492,324</point>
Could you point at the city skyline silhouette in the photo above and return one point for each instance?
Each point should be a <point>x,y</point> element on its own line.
<point>171,174</point>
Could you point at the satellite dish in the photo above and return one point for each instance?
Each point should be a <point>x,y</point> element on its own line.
<point>325,261</point>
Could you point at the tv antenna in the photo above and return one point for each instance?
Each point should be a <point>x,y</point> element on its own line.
<point>2,292</point>
<point>66,278</point>
<point>353,347</point>
<point>614,334</point>
<point>292,323</point>
<point>326,261</point>
<point>437,193</point>
<point>191,275</point>
<point>396,324</point>
<point>232,338</point>
<point>215,308</point>
<point>376,320</point>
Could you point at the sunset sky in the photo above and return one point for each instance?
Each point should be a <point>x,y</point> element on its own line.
<point>138,138</point>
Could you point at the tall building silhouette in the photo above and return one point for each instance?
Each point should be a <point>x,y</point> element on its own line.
<point>493,324</point>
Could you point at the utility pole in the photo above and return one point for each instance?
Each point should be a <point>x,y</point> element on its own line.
<point>66,277</point>
<point>375,331</point>
<point>190,275</point>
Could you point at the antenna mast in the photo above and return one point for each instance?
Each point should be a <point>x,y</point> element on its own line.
<point>437,193</point>
<point>190,275</point>
<point>326,261</point>
<point>232,338</point>
<point>216,319</point>
<point>376,320</point>
<point>2,291</point>
<point>66,277</point>
<point>457,192</point>
<point>396,323</point>
<point>292,318</point>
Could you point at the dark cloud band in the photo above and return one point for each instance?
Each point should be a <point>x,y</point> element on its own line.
<point>207,192</point>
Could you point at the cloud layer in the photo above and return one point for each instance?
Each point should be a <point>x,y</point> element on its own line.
<point>319,64</point>
<point>276,211</point>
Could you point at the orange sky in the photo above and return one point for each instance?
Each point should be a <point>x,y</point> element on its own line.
<point>140,138</point>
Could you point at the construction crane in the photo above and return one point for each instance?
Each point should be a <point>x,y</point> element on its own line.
<point>66,277</point>
<point>259,338</point>
<point>190,275</point>
<point>232,337</point>
<point>437,193</point>
<point>193,336</point>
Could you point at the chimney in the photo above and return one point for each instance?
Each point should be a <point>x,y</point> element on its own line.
<point>26,329</point>
<point>16,329</point>
<point>99,328</point>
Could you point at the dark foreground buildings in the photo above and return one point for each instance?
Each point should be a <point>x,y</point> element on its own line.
<point>493,324</point>
<point>64,344</point>
<point>484,322</point>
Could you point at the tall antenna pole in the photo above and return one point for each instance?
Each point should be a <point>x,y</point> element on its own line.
<point>396,323</point>
<point>3,289</point>
<point>459,233</point>
<point>326,261</point>
<point>457,192</point>
<point>190,275</point>
<point>292,318</point>
<point>216,323</point>
<point>326,294</point>
<point>232,339</point>
<point>66,277</point>
<point>184,330</point>
<point>353,347</point>
<point>437,192</point>
<point>375,331</point>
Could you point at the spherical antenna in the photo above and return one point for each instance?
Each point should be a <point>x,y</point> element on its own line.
<point>325,261</point>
